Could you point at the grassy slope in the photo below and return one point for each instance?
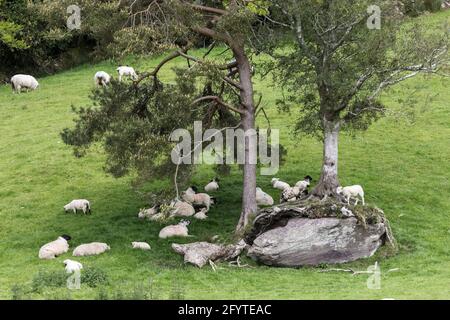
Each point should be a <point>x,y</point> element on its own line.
<point>404,168</point>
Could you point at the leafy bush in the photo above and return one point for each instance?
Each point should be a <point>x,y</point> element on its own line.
<point>93,277</point>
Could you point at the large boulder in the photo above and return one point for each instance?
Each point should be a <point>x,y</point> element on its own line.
<point>299,234</point>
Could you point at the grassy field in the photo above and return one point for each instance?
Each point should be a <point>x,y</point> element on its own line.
<point>403,166</point>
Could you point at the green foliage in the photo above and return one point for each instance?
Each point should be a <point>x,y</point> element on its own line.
<point>94,277</point>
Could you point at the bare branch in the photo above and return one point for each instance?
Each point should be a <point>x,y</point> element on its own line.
<point>218,101</point>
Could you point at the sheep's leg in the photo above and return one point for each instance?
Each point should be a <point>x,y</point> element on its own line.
<point>363,202</point>
<point>356,201</point>
<point>74,211</point>
<point>348,200</point>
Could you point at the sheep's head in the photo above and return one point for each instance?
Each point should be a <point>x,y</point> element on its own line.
<point>66,207</point>
<point>308,178</point>
<point>185,223</point>
<point>194,188</point>
<point>67,237</point>
<point>339,190</point>
<point>275,180</point>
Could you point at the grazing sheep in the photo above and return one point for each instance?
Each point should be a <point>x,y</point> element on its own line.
<point>90,249</point>
<point>201,215</point>
<point>277,184</point>
<point>101,78</point>
<point>126,71</point>
<point>213,185</point>
<point>55,248</point>
<point>354,192</point>
<point>304,184</point>
<point>72,266</point>
<point>194,198</point>
<point>80,204</point>
<point>176,230</point>
<point>262,198</point>
<point>148,213</point>
<point>141,245</point>
<point>23,81</point>
<point>182,209</point>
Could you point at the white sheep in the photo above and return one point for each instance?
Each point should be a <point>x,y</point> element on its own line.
<point>55,248</point>
<point>354,192</point>
<point>200,199</point>
<point>290,194</point>
<point>148,213</point>
<point>140,245</point>
<point>213,185</point>
<point>90,249</point>
<point>72,266</point>
<point>126,71</point>
<point>176,230</point>
<point>182,209</point>
<point>102,78</point>
<point>23,81</point>
<point>201,215</point>
<point>80,204</point>
<point>304,184</point>
<point>278,184</point>
<point>263,199</point>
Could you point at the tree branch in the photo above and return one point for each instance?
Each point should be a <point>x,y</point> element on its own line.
<point>218,101</point>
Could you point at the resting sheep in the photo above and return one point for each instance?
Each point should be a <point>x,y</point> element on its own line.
<point>90,249</point>
<point>213,185</point>
<point>277,184</point>
<point>182,209</point>
<point>140,245</point>
<point>126,71</point>
<point>199,199</point>
<point>354,192</point>
<point>55,248</point>
<point>148,213</point>
<point>101,78</point>
<point>262,198</point>
<point>177,230</point>
<point>72,266</point>
<point>201,215</point>
<point>80,204</point>
<point>23,81</point>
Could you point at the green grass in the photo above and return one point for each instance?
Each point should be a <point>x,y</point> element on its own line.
<point>404,168</point>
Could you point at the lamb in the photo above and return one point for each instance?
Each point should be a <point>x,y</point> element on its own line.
<point>141,245</point>
<point>72,266</point>
<point>90,249</point>
<point>262,198</point>
<point>304,184</point>
<point>55,248</point>
<point>213,185</point>
<point>126,71</point>
<point>148,213</point>
<point>278,184</point>
<point>23,81</point>
<point>194,198</point>
<point>177,230</point>
<point>182,209</point>
<point>101,78</point>
<point>354,192</point>
<point>201,215</point>
<point>80,204</point>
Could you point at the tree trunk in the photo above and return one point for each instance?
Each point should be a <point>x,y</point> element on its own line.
<point>328,181</point>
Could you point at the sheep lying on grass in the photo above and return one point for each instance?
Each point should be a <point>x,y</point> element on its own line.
<point>182,209</point>
<point>351,192</point>
<point>199,199</point>
<point>23,81</point>
<point>177,230</point>
<point>55,248</point>
<point>80,204</point>
<point>72,266</point>
<point>148,213</point>
<point>126,71</point>
<point>101,78</point>
<point>263,199</point>
<point>90,249</point>
<point>213,185</point>
<point>280,185</point>
<point>201,215</point>
<point>140,245</point>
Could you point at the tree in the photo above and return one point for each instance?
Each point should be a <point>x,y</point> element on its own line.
<point>339,63</point>
<point>135,121</point>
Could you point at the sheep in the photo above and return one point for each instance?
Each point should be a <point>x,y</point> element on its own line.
<point>140,245</point>
<point>194,198</point>
<point>126,71</point>
<point>72,266</point>
<point>201,215</point>
<point>277,184</point>
<point>177,230</point>
<point>148,213</point>
<point>290,194</point>
<point>23,81</point>
<point>213,185</point>
<point>351,192</point>
<point>262,198</point>
<point>55,248</point>
<point>101,78</point>
<point>90,249</point>
<point>181,209</point>
<point>304,184</point>
<point>80,204</point>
